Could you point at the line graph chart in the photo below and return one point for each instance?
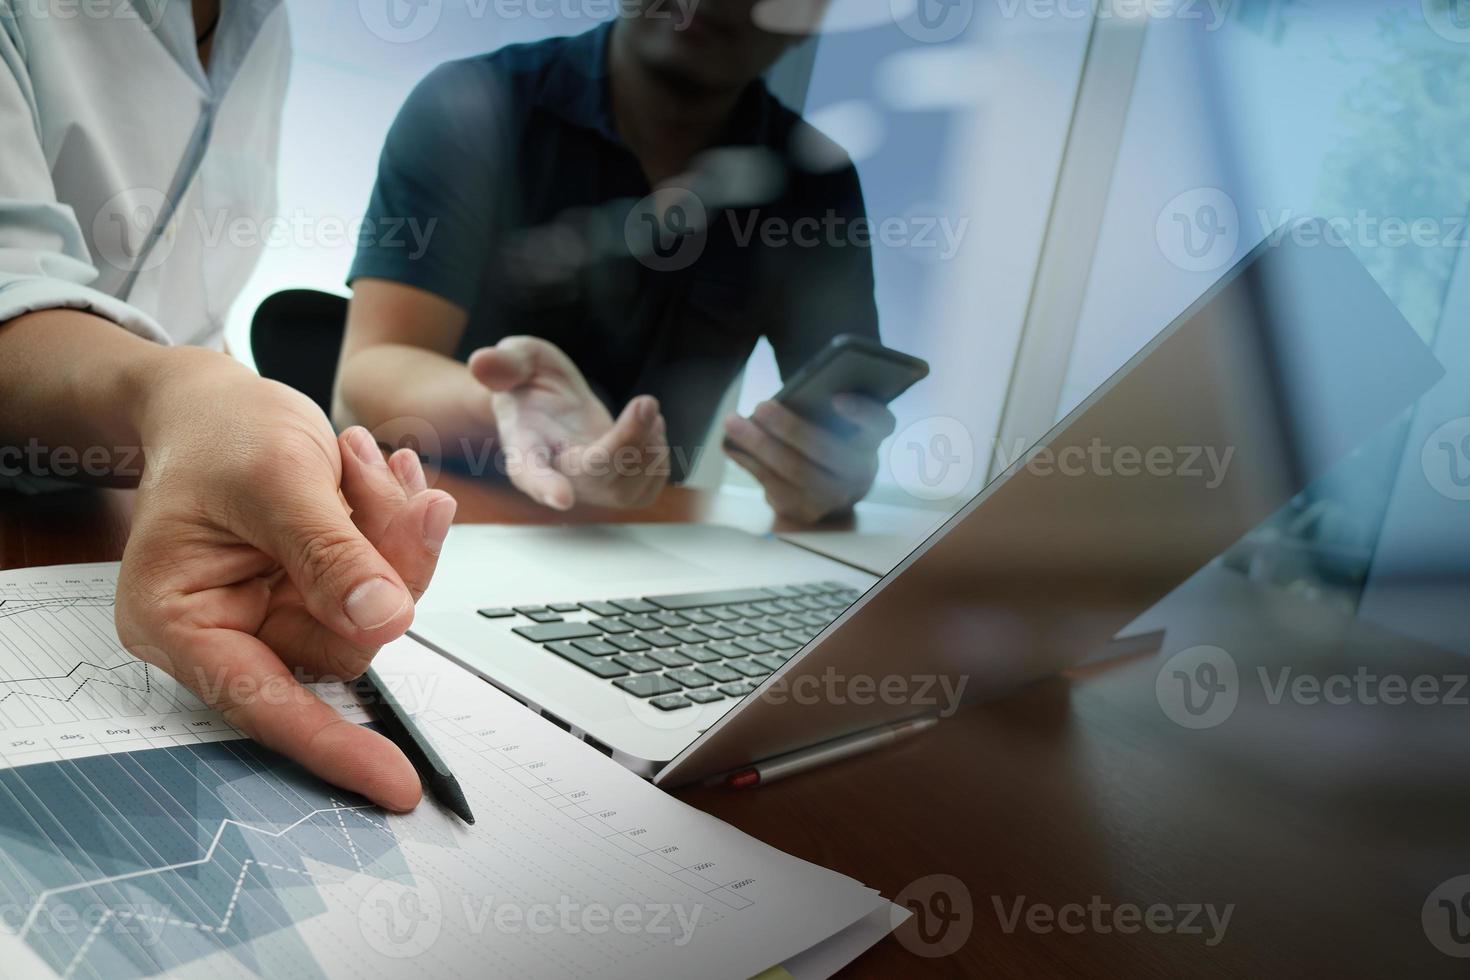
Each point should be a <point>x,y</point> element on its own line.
<point>14,607</point>
<point>67,686</point>
<point>60,660</point>
<point>79,674</point>
<point>337,810</point>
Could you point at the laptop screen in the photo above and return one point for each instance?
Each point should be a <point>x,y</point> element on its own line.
<point>1270,112</point>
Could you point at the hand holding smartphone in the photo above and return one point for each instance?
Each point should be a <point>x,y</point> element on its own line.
<point>849,365</point>
<point>813,460</point>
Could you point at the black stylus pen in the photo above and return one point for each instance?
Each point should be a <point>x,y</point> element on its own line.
<point>400,728</point>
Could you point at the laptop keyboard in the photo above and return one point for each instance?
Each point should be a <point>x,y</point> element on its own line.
<point>686,649</point>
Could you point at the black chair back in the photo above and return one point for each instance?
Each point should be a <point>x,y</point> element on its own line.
<point>296,338</point>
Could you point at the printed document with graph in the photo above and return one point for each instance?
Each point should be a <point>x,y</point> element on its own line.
<point>141,836</point>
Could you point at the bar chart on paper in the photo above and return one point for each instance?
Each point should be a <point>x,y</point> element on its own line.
<point>205,855</point>
<point>67,686</point>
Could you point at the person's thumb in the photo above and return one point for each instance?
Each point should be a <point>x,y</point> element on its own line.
<point>501,368</point>
<point>346,584</point>
<point>634,427</point>
<point>519,361</point>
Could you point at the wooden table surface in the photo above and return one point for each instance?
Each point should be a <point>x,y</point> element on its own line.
<point>1038,832</point>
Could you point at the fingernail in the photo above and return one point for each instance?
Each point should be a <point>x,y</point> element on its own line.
<point>410,471</point>
<point>436,524</point>
<point>375,603</point>
<point>364,447</point>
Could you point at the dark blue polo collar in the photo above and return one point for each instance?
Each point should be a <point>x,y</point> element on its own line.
<point>576,85</point>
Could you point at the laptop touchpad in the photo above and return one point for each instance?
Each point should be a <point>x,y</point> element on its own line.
<point>606,555</point>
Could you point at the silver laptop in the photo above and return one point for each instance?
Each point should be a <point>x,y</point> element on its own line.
<point>686,651</point>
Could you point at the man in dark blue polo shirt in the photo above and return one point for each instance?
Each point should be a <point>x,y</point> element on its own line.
<point>563,311</point>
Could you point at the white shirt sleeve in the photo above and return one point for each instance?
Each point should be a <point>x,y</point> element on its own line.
<point>44,262</point>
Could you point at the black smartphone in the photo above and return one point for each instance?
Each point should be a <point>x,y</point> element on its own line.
<point>849,365</point>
